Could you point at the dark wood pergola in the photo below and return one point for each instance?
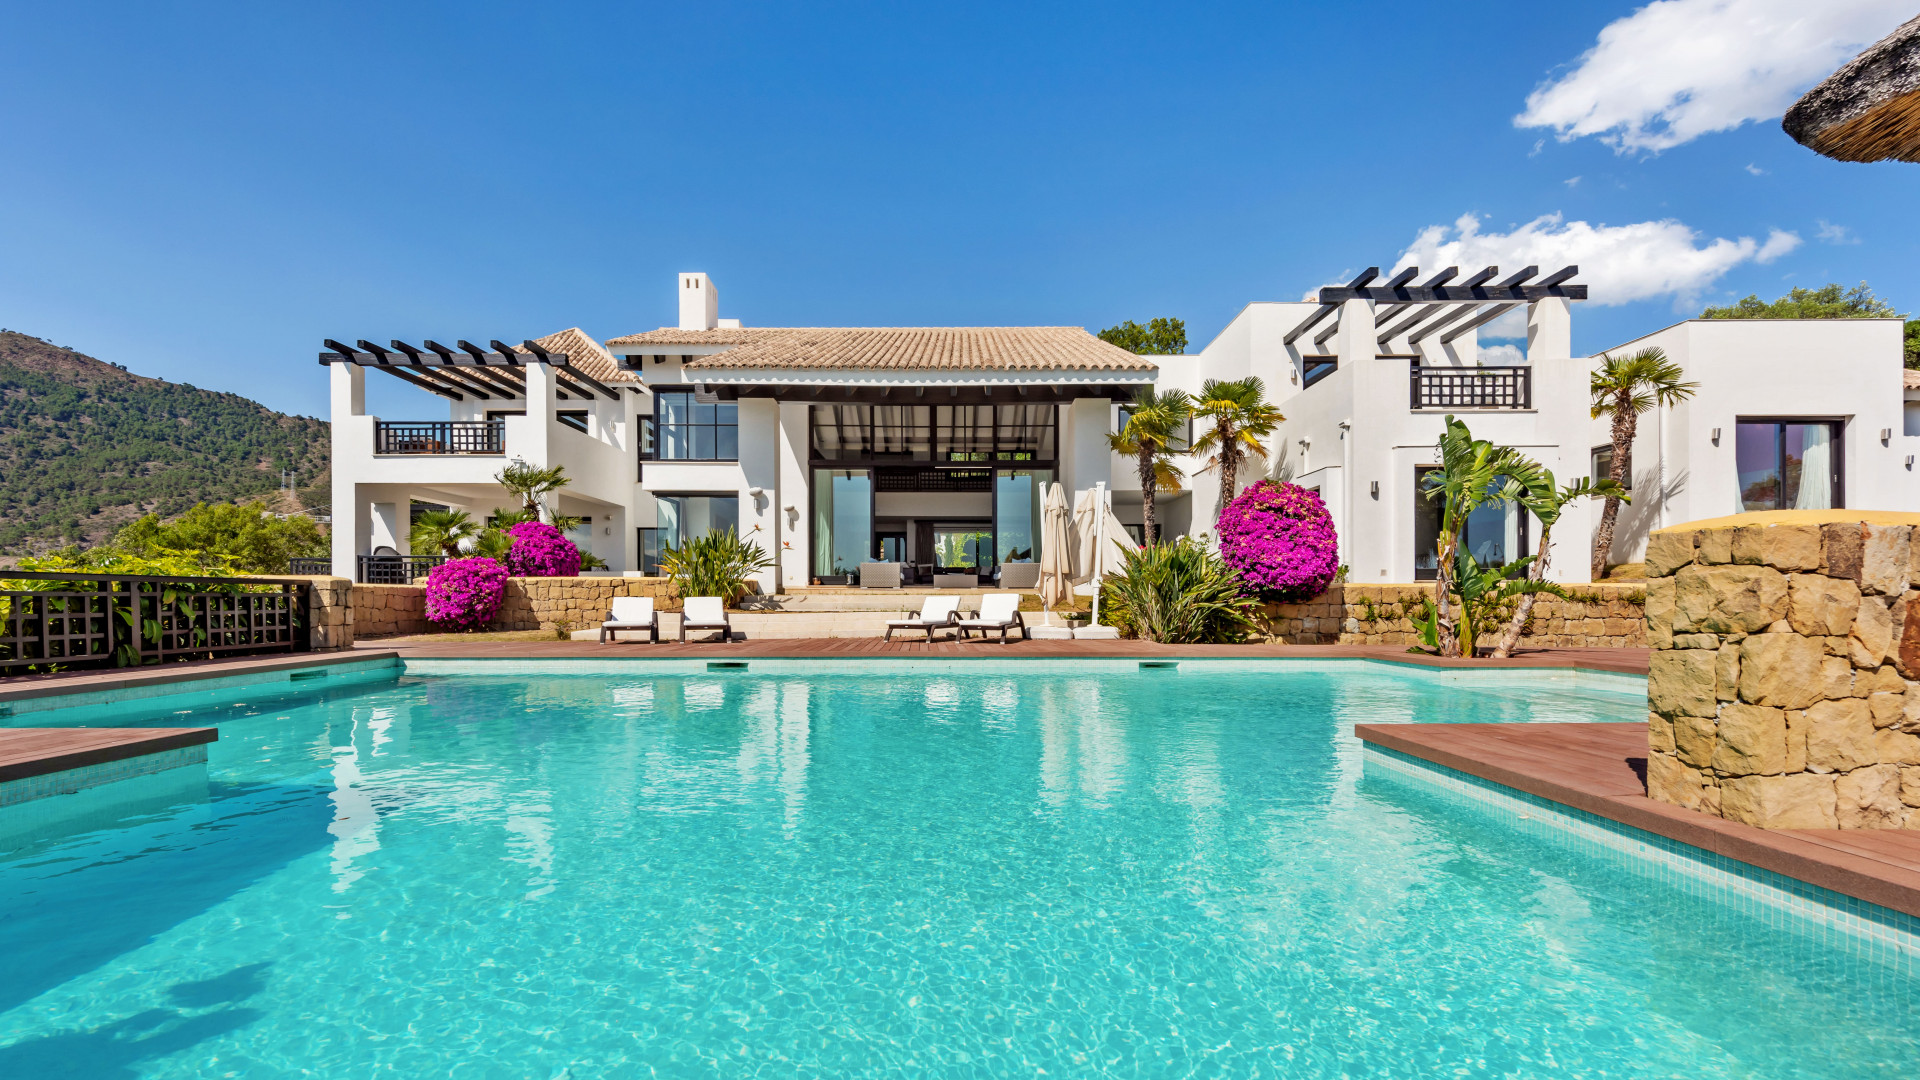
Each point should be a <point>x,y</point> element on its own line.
<point>1436,305</point>
<point>467,368</point>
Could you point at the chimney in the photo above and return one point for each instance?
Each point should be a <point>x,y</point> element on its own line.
<point>699,302</point>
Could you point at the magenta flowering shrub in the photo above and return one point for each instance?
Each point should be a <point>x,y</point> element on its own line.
<point>540,550</point>
<point>1279,538</point>
<point>465,593</point>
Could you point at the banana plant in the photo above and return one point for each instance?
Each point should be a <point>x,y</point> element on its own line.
<point>1473,472</point>
<point>1483,589</point>
<point>1546,502</point>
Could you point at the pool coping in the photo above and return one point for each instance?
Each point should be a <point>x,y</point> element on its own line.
<point>107,680</point>
<point>29,752</point>
<point>1878,866</point>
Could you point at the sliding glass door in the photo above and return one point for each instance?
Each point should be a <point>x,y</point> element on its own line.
<point>1788,464</point>
<point>842,522</point>
<point>1017,494</point>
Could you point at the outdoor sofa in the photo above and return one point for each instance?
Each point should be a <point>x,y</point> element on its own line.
<point>998,611</point>
<point>705,613</point>
<point>631,613</point>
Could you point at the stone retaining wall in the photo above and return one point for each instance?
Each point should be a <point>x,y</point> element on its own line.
<point>573,603</point>
<point>386,610</point>
<point>1782,691</point>
<point>1598,616</point>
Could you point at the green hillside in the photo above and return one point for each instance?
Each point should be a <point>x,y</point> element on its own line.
<point>86,446</point>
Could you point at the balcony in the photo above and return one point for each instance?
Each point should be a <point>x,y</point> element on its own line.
<point>1471,388</point>
<point>440,437</point>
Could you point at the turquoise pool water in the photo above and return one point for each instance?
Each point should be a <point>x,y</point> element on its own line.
<point>917,871</point>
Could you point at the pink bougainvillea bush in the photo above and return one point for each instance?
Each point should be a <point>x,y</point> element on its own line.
<point>465,593</point>
<point>1279,538</point>
<point>540,550</point>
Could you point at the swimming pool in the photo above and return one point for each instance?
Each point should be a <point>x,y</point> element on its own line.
<point>947,869</point>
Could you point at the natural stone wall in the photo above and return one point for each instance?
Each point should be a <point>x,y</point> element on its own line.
<point>331,610</point>
<point>1598,616</point>
<point>386,610</point>
<point>573,603</point>
<point>1782,690</point>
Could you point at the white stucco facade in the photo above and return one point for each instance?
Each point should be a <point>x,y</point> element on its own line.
<point>1361,422</point>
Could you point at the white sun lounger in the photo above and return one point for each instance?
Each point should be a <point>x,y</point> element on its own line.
<point>936,613</point>
<point>631,613</point>
<point>998,611</point>
<point>705,613</point>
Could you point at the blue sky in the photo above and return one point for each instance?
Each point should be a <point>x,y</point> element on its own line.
<point>205,191</point>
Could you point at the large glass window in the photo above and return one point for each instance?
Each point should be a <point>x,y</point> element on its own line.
<point>1602,459</point>
<point>1787,464</point>
<point>842,521</point>
<point>1017,494</point>
<point>682,518</point>
<point>1179,444</point>
<point>689,430</point>
<point>963,547</point>
<point>1494,535</point>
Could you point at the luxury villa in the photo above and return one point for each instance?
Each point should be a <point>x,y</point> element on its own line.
<point>931,447</point>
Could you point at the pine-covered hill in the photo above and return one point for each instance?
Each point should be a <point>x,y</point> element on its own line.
<point>86,446</point>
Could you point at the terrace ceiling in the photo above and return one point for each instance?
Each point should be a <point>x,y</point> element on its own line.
<point>467,368</point>
<point>1436,305</point>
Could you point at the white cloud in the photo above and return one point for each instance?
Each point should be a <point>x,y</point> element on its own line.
<point>1572,181</point>
<point>1501,355</point>
<point>1835,234</point>
<point>1755,169</point>
<point>1511,325</point>
<point>1620,263</point>
<point>1675,70</point>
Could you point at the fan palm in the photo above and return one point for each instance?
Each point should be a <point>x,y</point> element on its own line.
<point>1153,421</point>
<point>530,483</point>
<point>1547,502</point>
<point>1240,417</point>
<point>1472,473</point>
<point>1623,387</point>
<point>442,530</point>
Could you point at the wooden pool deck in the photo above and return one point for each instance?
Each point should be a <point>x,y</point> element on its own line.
<point>30,752</point>
<point>1601,769</point>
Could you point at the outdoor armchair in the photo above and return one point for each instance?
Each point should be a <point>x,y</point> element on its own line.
<point>936,613</point>
<point>998,611</point>
<point>631,613</point>
<point>705,613</point>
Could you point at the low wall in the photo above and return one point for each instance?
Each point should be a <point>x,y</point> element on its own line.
<point>556,603</point>
<point>1598,616</point>
<point>386,610</point>
<point>1782,689</point>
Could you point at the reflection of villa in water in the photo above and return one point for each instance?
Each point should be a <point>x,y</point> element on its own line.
<point>930,447</point>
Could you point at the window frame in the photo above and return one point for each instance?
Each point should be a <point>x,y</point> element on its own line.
<point>1593,464</point>
<point>1837,441</point>
<point>656,439</point>
<point>1178,445</point>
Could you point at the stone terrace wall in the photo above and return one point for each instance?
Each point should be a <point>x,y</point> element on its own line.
<point>1782,691</point>
<point>1599,616</point>
<point>573,603</point>
<point>386,610</point>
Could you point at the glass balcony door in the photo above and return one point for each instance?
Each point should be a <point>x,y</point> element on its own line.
<point>1788,465</point>
<point>842,523</point>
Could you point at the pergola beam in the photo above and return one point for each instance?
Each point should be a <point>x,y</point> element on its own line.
<point>1459,311</point>
<point>1327,308</point>
<point>1492,312</point>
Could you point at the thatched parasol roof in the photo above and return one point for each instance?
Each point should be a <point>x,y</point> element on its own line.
<point>1868,110</point>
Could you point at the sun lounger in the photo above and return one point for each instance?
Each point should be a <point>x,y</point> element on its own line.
<point>705,613</point>
<point>998,611</point>
<point>936,613</point>
<point>631,613</point>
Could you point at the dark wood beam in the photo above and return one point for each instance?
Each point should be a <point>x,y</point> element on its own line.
<point>1460,311</point>
<point>1306,324</point>
<point>423,384</point>
<point>1402,277</point>
<point>1479,320</point>
<point>581,376</point>
<point>1421,314</point>
<point>1458,294</point>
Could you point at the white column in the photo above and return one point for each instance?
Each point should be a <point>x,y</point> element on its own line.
<point>349,387</point>
<point>1549,329</point>
<point>348,390</point>
<point>1353,342</point>
<point>538,431</point>
<point>792,496</point>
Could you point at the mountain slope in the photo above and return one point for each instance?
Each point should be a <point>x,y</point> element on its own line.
<point>86,446</point>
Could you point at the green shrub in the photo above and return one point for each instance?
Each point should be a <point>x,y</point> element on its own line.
<point>1178,593</point>
<point>717,564</point>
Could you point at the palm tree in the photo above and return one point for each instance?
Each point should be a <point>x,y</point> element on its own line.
<point>531,483</point>
<point>1546,502</point>
<point>1152,423</point>
<point>1623,387</point>
<point>1241,417</point>
<point>442,529</point>
<point>1472,473</point>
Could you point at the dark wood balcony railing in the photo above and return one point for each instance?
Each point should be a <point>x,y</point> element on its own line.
<point>71,620</point>
<point>1472,388</point>
<point>309,566</point>
<point>396,569</point>
<point>440,437</point>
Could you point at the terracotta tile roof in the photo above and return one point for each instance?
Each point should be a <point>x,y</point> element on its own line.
<point>969,348</point>
<point>1911,379</point>
<point>586,354</point>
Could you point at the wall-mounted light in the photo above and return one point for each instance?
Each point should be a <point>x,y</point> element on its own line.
<point>1886,435</point>
<point>1909,461</point>
<point>1375,487</point>
<point>1716,436</point>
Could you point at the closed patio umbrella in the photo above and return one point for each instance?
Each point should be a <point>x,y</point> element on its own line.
<point>1056,548</point>
<point>1102,541</point>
